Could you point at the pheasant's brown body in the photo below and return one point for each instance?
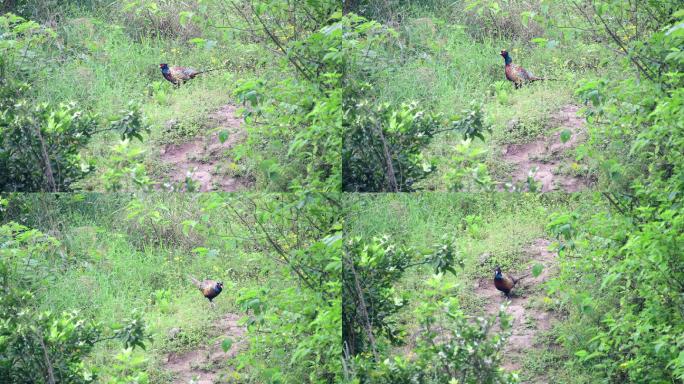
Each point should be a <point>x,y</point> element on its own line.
<point>517,74</point>
<point>209,288</point>
<point>179,75</point>
<point>505,283</point>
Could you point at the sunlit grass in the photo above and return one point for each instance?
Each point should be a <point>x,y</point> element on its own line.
<point>103,69</point>
<point>117,269</point>
<point>446,70</point>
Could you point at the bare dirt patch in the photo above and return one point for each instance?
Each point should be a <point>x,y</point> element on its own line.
<point>205,365</point>
<point>547,154</point>
<point>528,318</point>
<point>205,159</point>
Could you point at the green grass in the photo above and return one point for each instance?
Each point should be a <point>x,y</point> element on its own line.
<point>103,68</point>
<point>498,224</point>
<point>488,230</point>
<point>118,266</point>
<point>446,69</point>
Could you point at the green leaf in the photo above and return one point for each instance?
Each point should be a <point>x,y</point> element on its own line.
<point>198,41</point>
<point>525,17</point>
<point>184,16</point>
<point>565,135</point>
<point>540,41</point>
<point>226,344</point>
<point>537,269</point>
<point>223,136</point>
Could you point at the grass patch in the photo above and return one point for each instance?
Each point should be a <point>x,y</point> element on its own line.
<point>488,230</point>
<point>439,62</point>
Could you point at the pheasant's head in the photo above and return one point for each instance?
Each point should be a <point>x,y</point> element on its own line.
<point>219,286</point>
<point>504,54</point>
<point>497,273</point>
<point>164,66</point>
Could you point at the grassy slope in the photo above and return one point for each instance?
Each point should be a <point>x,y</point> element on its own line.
<point>499,224</point>
<point>106,68</point>
<point>447,68</point>
<point>120,266</point>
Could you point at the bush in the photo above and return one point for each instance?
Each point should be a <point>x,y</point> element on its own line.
<point>622,268</point>
<point>450,345</point>
<point>295,124</point>
<point>42,346</point>
<point>383,142</point>
<point>40,144</point>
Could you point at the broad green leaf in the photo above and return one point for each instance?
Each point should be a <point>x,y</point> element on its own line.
<point>565,135</point>
<point>223,136</point>
<point>226,344</point>
<point>537,269</point>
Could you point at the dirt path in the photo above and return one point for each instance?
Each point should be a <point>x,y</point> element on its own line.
<point>528,318</point>
<point>204,159</point>
<point>204,365</point>
<point>547,154</point>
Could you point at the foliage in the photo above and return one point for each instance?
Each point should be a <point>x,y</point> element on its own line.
<point>383,147</point>
<point>44,346</point>
<point>385,143</point>
<point>626,300</point>
<point>123,170</point>
<point>507,20</point>
<point>48,136</point>
<point>466,168</point>
<point>450,345</point>
<point>295,122</point>
<point>622,264</point>
<point>41,143</point>
<point>638,116</point>
<point>371,268</point>
<point>303,232</point>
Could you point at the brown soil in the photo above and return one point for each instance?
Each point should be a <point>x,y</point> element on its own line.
<point>204,365</point>
<point>204,159</point>
<point>547,154</point>
<point>528,319</point>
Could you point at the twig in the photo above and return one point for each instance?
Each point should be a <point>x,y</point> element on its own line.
<point>46,159</point>
<point>362,307</point>
<point>48,364</point>
<point>388,159</point>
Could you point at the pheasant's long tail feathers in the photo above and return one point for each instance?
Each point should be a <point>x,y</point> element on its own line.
<point>206,70</point>
<point>542,78</point>
<point>196,282</point>
<point>213,69</point>
<point>515,280</point>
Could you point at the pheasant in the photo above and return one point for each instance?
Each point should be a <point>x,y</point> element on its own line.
<point>179,75</point>
<point>517,74</point>
<point>209,288</point>
<point>505,283</point>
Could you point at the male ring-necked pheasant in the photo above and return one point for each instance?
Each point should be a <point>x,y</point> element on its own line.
<point>517,74</point>
<point>505,283</point>
<point>209,288</point>
<point>179,75</point>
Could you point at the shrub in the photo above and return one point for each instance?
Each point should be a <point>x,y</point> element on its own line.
<point>40,144</point>
<point>42,346</point>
